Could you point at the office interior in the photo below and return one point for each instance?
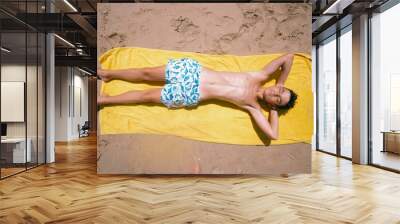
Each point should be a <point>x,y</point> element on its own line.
<point>49,83</point>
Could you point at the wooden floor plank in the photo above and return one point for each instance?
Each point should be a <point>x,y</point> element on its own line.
<point>70,191</point>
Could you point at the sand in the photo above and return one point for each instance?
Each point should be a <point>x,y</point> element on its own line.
<point>214,28</point>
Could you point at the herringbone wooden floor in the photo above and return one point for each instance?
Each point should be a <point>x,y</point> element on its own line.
<point>70,191</point>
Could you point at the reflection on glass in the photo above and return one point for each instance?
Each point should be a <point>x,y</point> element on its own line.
<point>31,97</point>
<point>41,99</point>
<point>327,96</point>
<point>385,85</point>
<point>14,151</point>
<point>346,93</point>
<point>22,90</point>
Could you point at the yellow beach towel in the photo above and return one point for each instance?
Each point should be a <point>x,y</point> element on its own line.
<point>217,121</point>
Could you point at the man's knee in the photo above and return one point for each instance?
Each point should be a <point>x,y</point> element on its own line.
<point>152,73</point>
<point>146,74</point>
<point>151,96</point>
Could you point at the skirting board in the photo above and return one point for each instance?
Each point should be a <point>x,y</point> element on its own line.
<point>164,154</point>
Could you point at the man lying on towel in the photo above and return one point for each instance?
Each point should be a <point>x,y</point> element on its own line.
<point>187,83</point>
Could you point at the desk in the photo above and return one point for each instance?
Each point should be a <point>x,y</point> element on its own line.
<point>13,150</point>
<point>391,141</point>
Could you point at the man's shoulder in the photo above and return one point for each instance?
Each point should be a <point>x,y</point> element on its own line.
<point>252,106</point>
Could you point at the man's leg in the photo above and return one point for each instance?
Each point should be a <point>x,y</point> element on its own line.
<point>134,74</point>
<point>140,96</point>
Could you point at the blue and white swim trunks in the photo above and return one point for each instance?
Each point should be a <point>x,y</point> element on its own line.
<point>182,78</point>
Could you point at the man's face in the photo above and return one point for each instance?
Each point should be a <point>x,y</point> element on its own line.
<point>276,95</point>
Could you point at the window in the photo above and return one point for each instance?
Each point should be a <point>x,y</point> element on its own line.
<point>385,88</point>
<point>327,95</point>
<point>346,92</point>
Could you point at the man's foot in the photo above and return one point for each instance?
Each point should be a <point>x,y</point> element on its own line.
<point>104,75</point>
<point>101,99</point>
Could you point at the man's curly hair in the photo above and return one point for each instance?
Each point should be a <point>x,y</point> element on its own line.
<point>291,103</point>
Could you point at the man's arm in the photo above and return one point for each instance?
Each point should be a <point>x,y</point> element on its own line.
<point>284,62</point>
<point>270,128</point>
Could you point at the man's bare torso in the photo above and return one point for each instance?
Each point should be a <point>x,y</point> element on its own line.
<point>239,88</point>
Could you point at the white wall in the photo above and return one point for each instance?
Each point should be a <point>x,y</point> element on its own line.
<point>70,83</point>
<point>80,100</point>
<point>33,127</point>
<point>61,103</point>
<point>12,73</point>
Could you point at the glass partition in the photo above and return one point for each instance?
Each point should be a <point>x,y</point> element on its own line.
<point>327,95</point>
<point>346,92</point>
<point>385,89</point>
<point>22,88</point>
<point>31,97</point>
<point>14,154</point>
<point>41,91</point>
